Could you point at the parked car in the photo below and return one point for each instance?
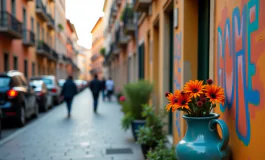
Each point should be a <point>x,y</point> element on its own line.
<point>53,87</point>
<point>17,98</point>
<point>44,98</point>
<point>79,85</point>
<point>61,82</point>
<point>85,84</point>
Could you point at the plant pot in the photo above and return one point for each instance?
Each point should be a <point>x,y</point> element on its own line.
<point>146,148</point>
<point>202,140</point>
<point>136,124</point>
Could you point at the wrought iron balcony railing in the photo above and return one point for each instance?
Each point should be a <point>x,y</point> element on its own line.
<point>10,26</point>
<point>142,5</point>
<point>41,10</point>
<point>43,49</point>
<point>28,38</point>
<point>50,23</point>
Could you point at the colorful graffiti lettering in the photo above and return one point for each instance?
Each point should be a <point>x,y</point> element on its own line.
<point>177,61</point>
<point>236,65</point>
<point>178,123</point>
<point>177,72</point>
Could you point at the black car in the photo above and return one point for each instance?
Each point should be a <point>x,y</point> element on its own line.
<point>44,98</point>
<point>17,98</point>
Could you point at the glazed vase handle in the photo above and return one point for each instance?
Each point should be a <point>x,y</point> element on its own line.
<point>225,133</point>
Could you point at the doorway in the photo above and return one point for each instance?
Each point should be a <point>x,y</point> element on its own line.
<point>203,39</point>
<point>156,64</point>
<point>141,62</point>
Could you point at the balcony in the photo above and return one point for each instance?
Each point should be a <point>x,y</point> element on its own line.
<point>118,2</point>
<point>115,49</point>
<point>94,57</point>
<point>129,28</point>
<point>114,10</point>
<point>41,11</point>
<point>43,49</point>
<point>28,38</point>
<point>54,55</point>
<point>142,5</point>
<point>123,40</point>
<point>128,21</point>
<point>50,23</point>
<point>10,26</point>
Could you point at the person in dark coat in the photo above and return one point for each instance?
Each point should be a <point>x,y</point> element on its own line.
<point>103,88</point>
<point>96,87</point>
<point>69,90</point>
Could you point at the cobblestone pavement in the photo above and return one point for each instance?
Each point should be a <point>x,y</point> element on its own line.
<point>84,136</point>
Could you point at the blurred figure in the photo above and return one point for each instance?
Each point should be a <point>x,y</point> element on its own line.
<point>96,87</point>
<point>69,90</point>
<point>110,88</point>
<point>103,87</point>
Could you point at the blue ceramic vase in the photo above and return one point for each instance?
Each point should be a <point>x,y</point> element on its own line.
<point>202,141</point>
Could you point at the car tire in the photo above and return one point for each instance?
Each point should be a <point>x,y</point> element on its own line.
<point>36,113</point>
<point>22,117</point>
<point>56,101</point>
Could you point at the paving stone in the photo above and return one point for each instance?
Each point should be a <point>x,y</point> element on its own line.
<point>85,136</point>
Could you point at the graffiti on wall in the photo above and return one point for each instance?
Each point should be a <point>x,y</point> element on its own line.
<point>239,48</point>
<point>177,72</point>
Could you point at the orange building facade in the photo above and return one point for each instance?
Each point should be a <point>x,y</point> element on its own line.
<point>97,45</point>
<point>179,40</point>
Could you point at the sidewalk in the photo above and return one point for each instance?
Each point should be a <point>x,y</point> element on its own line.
<point>84,136</point>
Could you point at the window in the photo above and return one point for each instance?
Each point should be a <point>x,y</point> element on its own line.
<point>6,62</point>
<point>33,69</point>
<point>13,5</point>
<point>42,33</point>
<point>4,81</point>
<point>3,5</point>
<point>38,31</point>
<point>26,68</point>
<point>39,69</point>
<point>32,24</point>
<point>15,63</point>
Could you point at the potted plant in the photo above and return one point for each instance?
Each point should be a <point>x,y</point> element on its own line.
<point>102,52</point>
<point>197,100</point>
<point>161,151</point>
<point>152,132</point>
<point>136,94</point>
<point>60,27</point>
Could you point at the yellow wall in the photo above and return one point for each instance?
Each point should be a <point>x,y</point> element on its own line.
<point>239,68</point>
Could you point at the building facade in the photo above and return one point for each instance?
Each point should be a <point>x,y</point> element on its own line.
<point>61,39</point>
<point>71,49</point>
<point>178,40</point>
<point>27,37</point>
<point>83,63</point>
<point>97,49</point>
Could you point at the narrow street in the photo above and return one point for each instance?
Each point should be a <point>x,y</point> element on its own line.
<point>84,136</point>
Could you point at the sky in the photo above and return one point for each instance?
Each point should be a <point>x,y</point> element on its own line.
<point>84,15</point>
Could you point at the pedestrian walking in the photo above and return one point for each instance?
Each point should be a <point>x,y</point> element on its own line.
<point>69,90</point>
<point>103,87</point>
<point>96,87</point>
<point>110,88</point>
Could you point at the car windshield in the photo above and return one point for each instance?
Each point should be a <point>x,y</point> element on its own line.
<point>47,81</point>
<point>4,81</point>
<point>37,83</point>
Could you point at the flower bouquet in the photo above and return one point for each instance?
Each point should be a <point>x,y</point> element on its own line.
<point>197,99</point>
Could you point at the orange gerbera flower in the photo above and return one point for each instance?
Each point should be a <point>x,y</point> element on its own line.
<point>215,94</point>
<point>183,101</point>
<point>194,88</point>
<point>172,99</point>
